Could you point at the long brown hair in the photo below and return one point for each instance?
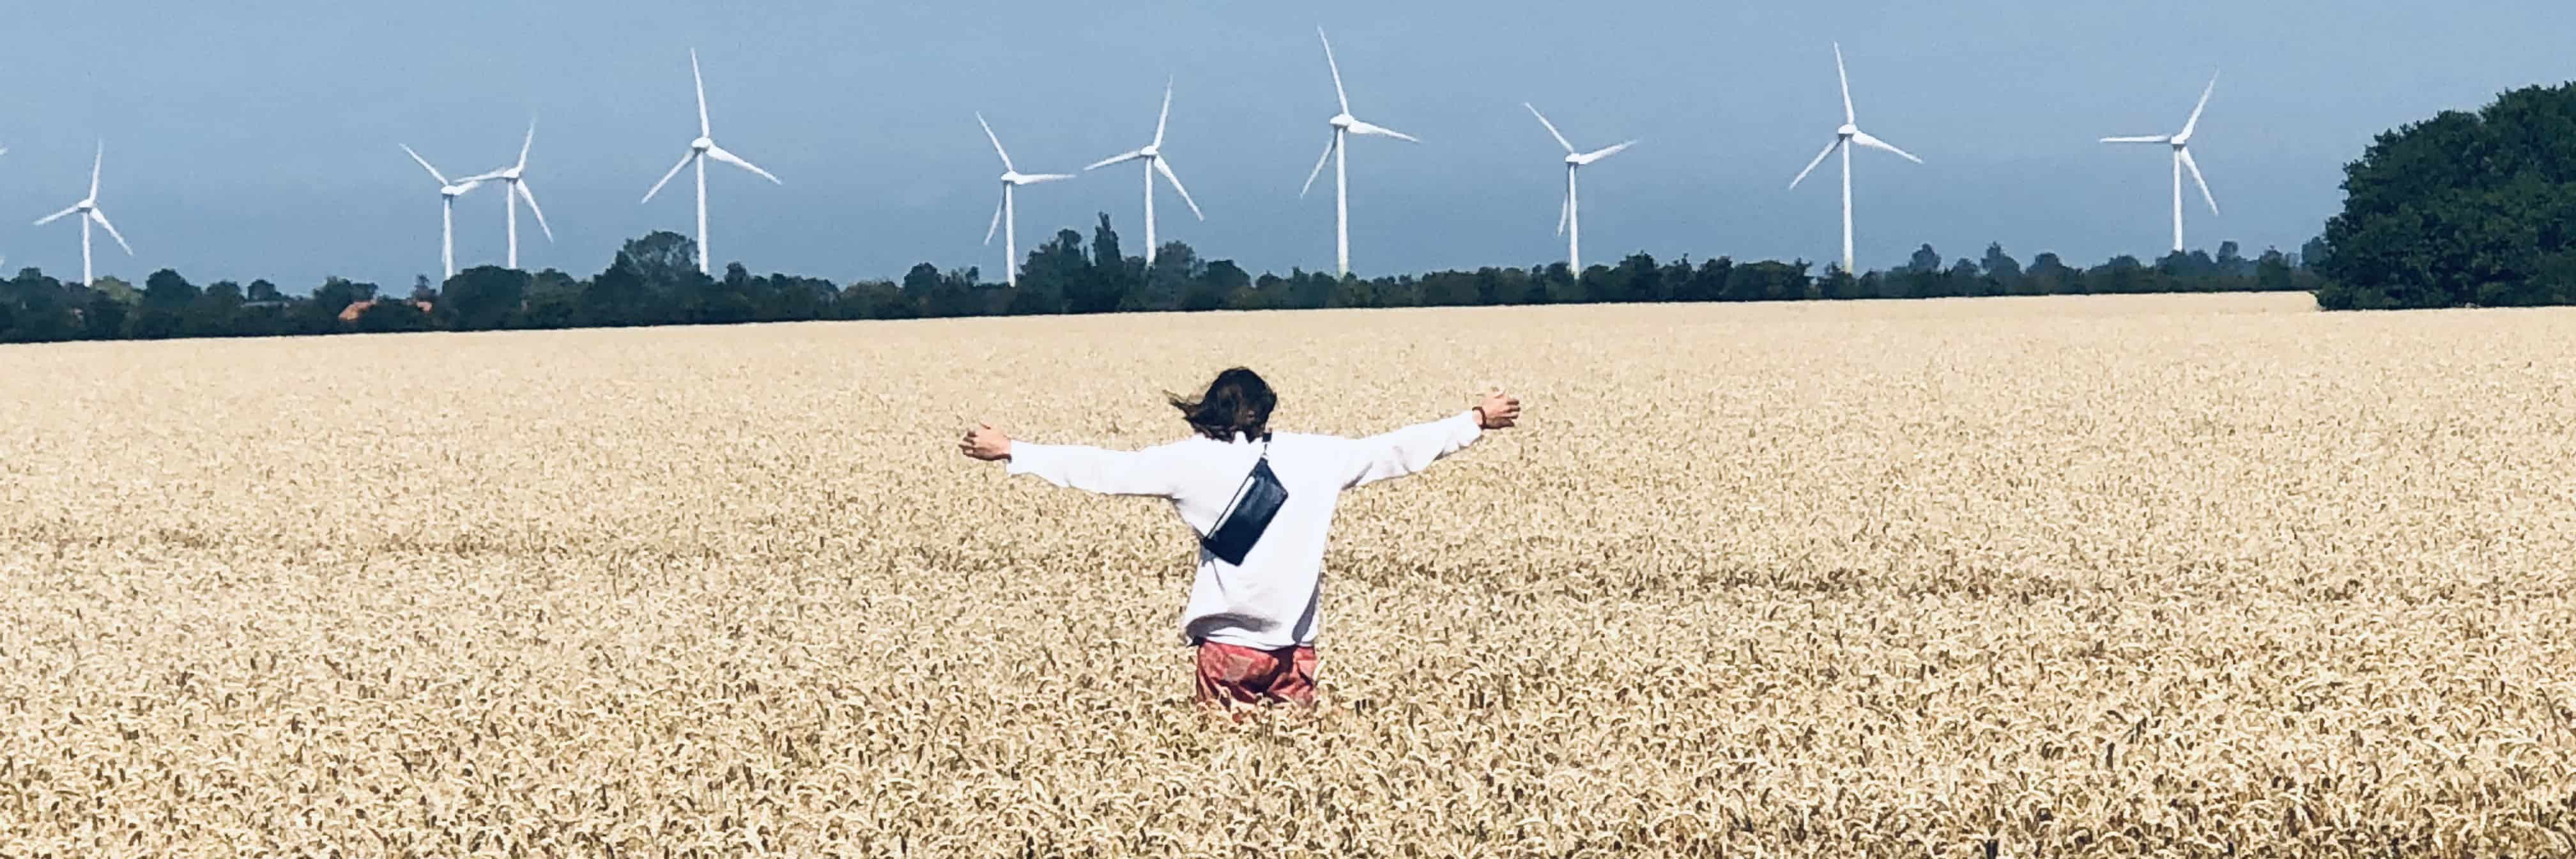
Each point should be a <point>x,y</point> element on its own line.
<point>1237,402</point>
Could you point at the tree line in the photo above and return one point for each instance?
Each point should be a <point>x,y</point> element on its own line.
<point>2462,209</point>
<point>654,280</point>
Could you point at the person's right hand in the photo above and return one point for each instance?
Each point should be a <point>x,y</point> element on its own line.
<point>985,443</point>
<point>1498,411</point>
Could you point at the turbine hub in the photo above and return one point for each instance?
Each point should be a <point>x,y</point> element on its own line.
<point>1150,152</point>
<point>1847,130</point>
<point>702,144</point>
<point>1574,159</point>
<point>1343,121</point>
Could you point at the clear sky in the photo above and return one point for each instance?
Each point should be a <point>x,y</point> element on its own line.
<point>259,140</point>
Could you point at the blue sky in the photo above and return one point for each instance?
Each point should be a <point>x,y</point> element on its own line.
<point>261,142</point>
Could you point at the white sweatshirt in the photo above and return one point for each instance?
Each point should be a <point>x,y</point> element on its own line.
<point>1274,599</point>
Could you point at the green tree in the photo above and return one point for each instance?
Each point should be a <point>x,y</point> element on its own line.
<point>2462,208</point>
<point>481,298</point>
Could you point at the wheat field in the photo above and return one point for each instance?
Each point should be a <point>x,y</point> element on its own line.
<point>2102,576</point>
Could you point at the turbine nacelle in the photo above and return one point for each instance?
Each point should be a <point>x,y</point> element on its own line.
<point>1149,152</point>
<point>1343,121</point>
<point>702,144</point>
<point>1847,131</point>
<point>457,190</point>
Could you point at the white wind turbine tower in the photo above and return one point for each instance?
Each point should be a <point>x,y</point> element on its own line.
<point>514,184</point>
<point>2181,143</point>
<point>1152,155</point>
<point>1008,211</point>
<point>1844,138</point>
<point>700,150</point>
<point>1344,125</point>
<point>447,192</point>
<point>1569,214</point>
<point>88,211</point>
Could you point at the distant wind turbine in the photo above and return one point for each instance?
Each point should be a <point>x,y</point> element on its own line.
<point>89,211</point>
<point>1844,138</point>
<point>1344,125</point>
<point>1569,214</point>
<point>1152,155</point>
<point>700,150</point>
<point>447,192</point>
<point>1008,211</point>
<point>515,188</point>
<point>2181,143</point>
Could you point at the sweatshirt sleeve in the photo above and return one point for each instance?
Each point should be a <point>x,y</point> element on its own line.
<point>1147,472</point>
<point>1409,450</point>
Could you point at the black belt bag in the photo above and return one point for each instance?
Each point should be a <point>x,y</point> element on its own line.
<point>1254,506</point>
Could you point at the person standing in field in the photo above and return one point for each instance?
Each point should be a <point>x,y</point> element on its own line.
<point>1255,621</point>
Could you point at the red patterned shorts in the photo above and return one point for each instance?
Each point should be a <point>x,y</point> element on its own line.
<point>1230,675</point>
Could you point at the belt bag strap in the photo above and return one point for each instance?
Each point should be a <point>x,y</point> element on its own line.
<point>1255,504</point>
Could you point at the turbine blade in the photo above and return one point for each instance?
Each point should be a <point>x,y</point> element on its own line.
<point>524,144</point>
<point>997,142</point>
<point>1551,128</point>
<point>1121,158</point>
<point>719,153</point>
<point>997,218</point>
<point>1592,157</point>
<point>2196,177</point>
<point>1165,168</point>
<point>1848,116</point>
<point>2194,122</point>
<point>1358,127</point>
<point>94,163</point>
<point>424,164</point>
<point>468,185</point>
<point>1863,138</point>
<point>2153,138</point>
<point>1564,212</point>
<point>531,197</point>
<point>56,216</point>
<point>1343,97</point>
<point>1329,145</point>
<point>701,81</point>
<point>666,177</point>
<point>101,217</point>
<point>1043,178</point>
<point>1811,165</point>
<point>1167,114</point>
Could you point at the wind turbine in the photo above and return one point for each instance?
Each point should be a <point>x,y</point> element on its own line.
<point>88,211</point>
<point>515,187</point>
<point>2181,143</point>
<point>1569,215</point>
<point>447,192</point>
<point>1844,138</point>
<point>1009,211</point>
<point>1344,125</point>
<point>1152,155</point>
<point>700,150</point>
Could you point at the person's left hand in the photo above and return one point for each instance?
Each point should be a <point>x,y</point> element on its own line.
<point>985,443</point>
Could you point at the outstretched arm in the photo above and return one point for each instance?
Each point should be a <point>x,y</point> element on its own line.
<point>1414,448</point>
<point>1091,469</point>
